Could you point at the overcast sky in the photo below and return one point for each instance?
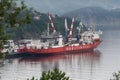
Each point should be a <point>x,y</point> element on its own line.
<point>63,6</point>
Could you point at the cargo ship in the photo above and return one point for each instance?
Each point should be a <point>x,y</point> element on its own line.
<point>56,43</point>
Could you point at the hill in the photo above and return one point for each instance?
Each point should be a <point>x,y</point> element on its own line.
<point>39,24</point>
<point>97,16</point>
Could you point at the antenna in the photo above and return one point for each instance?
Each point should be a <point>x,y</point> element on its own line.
<point>53,27</point>
<point>81,24</point>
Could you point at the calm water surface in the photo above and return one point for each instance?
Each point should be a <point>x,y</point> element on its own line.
<point>96,65</point>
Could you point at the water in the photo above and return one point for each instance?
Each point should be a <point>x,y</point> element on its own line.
<point>97,65</point>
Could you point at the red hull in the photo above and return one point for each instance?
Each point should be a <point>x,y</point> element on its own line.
<point>86,47</point>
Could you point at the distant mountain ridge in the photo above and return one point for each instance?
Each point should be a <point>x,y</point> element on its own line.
<point>62,6</point>
<point>96,16</point>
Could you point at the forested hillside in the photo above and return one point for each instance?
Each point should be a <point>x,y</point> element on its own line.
<point>39,24</point>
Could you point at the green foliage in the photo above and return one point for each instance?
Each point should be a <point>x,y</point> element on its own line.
<point>2,36</point>
<point>9,13</point>
<point>52,75</point>
<point>10,17</point>
<point>1,55</point>
<point>116,76</point>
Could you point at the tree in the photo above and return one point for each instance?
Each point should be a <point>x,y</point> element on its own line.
<point>56,74</point>
<point>116,76</point>
<point>10,17</point>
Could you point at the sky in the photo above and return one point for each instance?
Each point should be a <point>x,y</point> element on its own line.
<point>63,6</point>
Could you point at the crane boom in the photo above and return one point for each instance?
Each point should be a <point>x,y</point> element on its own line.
<point>71,29</point>
<point>51,22</point>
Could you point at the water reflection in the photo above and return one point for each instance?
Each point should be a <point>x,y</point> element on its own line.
<point>69,62</point>
<point>76,65</point>
<point>67,56</point>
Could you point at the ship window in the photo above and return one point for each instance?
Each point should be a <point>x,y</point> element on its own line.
<point>56,42</point>
<point>29,42</point>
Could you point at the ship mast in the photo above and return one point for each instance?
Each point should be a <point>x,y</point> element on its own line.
<point>51,22</point>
